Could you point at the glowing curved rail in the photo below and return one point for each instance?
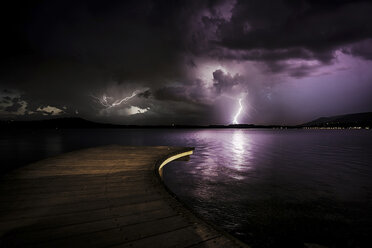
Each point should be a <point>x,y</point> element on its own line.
<point>171,158</point>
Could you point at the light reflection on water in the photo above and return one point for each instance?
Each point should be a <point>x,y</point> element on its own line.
<point>274,188</point>
<point>268,187</point>
<point>240,150</point>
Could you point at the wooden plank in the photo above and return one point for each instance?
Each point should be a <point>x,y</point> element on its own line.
<point>128,233</point>
<point>73,232</point>
<point>48,222</point>
<point>181,237</point>
<point>99,197</point>
<point>60,209</point>
<point>218,241</point>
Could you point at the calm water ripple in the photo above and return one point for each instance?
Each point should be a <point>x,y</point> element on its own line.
<point>271,188</point>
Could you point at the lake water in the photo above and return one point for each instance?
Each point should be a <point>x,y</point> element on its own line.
<point>270,188</point>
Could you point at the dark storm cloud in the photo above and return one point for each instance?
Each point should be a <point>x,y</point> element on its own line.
<point>171,94</point>
<point>362,49</point>
<point>60,53</point>
<point>296,70</point>
<point>224,81</point>
<point>7,98</point>
<point>15,105</point>
<point>274,30</point>
<point>124,38</point>
<point>145,94</point>
<point>142,39</point>
<point>189,92</point>
<point>7,91</point>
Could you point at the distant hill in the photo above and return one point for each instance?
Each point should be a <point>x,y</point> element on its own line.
<point>54,123</point>
<point>349,120</point>
<point>62,123</point>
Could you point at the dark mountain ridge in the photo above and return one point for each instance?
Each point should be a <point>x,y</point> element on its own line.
<point>362,120</point>
<point>348,120</point>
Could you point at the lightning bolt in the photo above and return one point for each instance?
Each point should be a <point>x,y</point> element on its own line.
<point>107,102</point>
<point>235,121</point>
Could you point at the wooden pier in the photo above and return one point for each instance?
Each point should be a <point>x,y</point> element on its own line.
<point>108,196</point>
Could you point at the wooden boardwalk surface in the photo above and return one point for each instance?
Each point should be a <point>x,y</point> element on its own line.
<point>99,197</point>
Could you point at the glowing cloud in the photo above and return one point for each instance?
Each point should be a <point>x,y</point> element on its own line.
<point>132,110</point>
<point>109,102</point>
<point>235,121</point>
<point>50,110</point>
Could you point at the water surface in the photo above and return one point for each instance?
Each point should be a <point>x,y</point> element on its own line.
<point>268,187</point>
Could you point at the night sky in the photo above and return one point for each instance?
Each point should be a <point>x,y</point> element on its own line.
<point>185,62</point>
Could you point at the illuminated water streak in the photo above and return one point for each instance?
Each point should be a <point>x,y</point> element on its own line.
<point>235,121</point>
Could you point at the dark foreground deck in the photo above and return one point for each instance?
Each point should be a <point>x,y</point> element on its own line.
<point>100,197</point>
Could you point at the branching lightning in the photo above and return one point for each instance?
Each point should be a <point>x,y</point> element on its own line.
<point>108,102</point>
<point>235,121</point>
